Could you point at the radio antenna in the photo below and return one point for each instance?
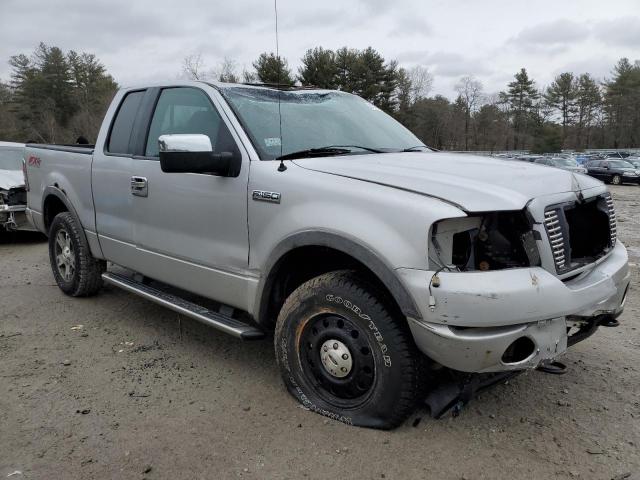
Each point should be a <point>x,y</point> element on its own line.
<point>282,166</point>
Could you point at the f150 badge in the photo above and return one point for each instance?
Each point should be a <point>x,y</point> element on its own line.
<point>264,196</point>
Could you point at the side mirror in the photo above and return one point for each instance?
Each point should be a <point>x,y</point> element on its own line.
<point>193,153</point>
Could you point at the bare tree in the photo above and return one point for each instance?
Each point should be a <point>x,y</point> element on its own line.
<point>193,67</point>
<point>421,82</point>
<point>227,71</point>
<point>470,91</point>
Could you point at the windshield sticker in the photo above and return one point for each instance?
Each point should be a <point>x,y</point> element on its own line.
<point>272,142</point>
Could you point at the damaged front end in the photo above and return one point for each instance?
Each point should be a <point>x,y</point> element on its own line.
<point>13,205</point>
<point>510,291</point>
<point>483,242</point>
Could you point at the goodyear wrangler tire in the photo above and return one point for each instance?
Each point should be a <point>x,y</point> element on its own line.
<point>77,273</point>
<point>342,353</point>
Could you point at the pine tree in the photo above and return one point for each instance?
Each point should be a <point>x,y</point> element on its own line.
<point>622,104</point>
<point>273,70</point>
<point>588,102</point>
<point>319,68</point>
<point>561,96</point>
<point>521,98</point>
<point>346,60</point>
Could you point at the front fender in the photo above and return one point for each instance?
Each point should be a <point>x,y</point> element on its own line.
<point>359,252</point>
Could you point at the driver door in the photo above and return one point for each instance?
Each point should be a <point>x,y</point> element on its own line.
<point>191,229</point>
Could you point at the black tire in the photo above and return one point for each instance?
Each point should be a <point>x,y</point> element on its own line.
<point>380,388</point>
<point>78,274</point>
<point>616,180</point>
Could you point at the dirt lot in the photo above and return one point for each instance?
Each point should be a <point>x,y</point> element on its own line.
<point>133,395</point>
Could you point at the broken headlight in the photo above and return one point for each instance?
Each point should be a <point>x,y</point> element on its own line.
<point>487,241</point>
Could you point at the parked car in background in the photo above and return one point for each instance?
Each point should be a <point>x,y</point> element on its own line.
<point>618,155</point>
<point>635,161</point>
<point>528,158</point>
<point>614,171</point>
<point>563,163</point>
<point>13,195</point>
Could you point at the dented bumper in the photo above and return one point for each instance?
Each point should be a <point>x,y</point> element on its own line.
<point>479,315</point>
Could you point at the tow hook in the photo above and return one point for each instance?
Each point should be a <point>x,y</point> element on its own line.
<point>609,321</point>
<point>552,367</point>
<point>454,390</point>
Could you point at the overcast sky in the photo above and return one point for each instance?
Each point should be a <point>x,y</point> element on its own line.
<point>139,40</point>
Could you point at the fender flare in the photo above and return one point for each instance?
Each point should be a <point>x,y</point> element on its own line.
<point>359,252</point>
<point>56,192</point>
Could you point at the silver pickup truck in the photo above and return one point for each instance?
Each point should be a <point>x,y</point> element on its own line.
<point>314,216</point>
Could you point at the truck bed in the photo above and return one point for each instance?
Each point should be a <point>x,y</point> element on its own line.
<point>66,168</point>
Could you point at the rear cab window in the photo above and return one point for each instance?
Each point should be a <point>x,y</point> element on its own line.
<point>123,123</point>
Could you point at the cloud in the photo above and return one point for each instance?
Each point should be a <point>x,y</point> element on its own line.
<point>411,25</point>
<point>623,31</point>
<point>550,37</point>
<point>447,64</point>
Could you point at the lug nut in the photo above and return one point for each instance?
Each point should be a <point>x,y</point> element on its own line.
<point>344,369</point>
<point>325,348</point>
<point>345,356</point>
<point>335,346</point>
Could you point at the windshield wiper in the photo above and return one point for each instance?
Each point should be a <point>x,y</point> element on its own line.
<point>325,151</point>
<point>414,149</point>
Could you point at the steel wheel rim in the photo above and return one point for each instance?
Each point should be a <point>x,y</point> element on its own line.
<point>64,254</point>
<point>351,386</point>
<point>616,180</point>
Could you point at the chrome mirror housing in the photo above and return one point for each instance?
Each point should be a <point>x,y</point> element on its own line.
<point>184,143</point>
<point>193,153</point>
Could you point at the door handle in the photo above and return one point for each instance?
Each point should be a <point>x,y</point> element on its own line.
<point>139,186</point>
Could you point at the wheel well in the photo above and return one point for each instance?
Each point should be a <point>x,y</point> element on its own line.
<point>52,207</point>
<point>304,263</point>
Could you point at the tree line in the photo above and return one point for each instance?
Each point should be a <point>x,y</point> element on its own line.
<point>53,96</point>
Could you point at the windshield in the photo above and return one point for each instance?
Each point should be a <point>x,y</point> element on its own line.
<point>620,164</point>
<point>312,119</point>
<point>10,159</point>
<point>564,162</point>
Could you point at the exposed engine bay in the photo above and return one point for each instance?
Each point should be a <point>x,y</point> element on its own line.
<point>488,241</point>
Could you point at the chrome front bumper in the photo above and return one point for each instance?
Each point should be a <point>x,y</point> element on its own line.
<point>478,315</point>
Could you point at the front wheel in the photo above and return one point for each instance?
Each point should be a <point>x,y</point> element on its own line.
<point>616,180</point>
<point>76,271</point>
<point>344,354</point>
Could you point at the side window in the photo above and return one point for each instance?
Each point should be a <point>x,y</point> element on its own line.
<point>123,123</point>
<point>187,110</point>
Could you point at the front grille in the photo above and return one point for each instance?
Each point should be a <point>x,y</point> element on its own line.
<point>580,232</point>
<point>613,228</point>
<point>556,237</point>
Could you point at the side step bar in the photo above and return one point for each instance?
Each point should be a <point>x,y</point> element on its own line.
<point>177,304</point>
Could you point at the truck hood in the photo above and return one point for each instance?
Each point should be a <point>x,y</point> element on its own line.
<point>11,179</point>
<point>473,183</point>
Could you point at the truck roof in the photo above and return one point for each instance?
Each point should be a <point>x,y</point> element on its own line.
<point>223,85</point>
<point>11,145</point>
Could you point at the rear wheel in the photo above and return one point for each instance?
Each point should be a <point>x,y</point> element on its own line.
<point>616,180</point>
<point>76,271</point>
<point>343,354</point>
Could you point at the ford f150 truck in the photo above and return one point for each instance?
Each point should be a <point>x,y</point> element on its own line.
<point>314,215</point>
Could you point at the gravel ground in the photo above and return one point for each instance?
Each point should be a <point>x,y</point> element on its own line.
<point>136,393</point>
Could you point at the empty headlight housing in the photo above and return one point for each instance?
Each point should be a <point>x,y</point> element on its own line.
<point>487,241</point>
